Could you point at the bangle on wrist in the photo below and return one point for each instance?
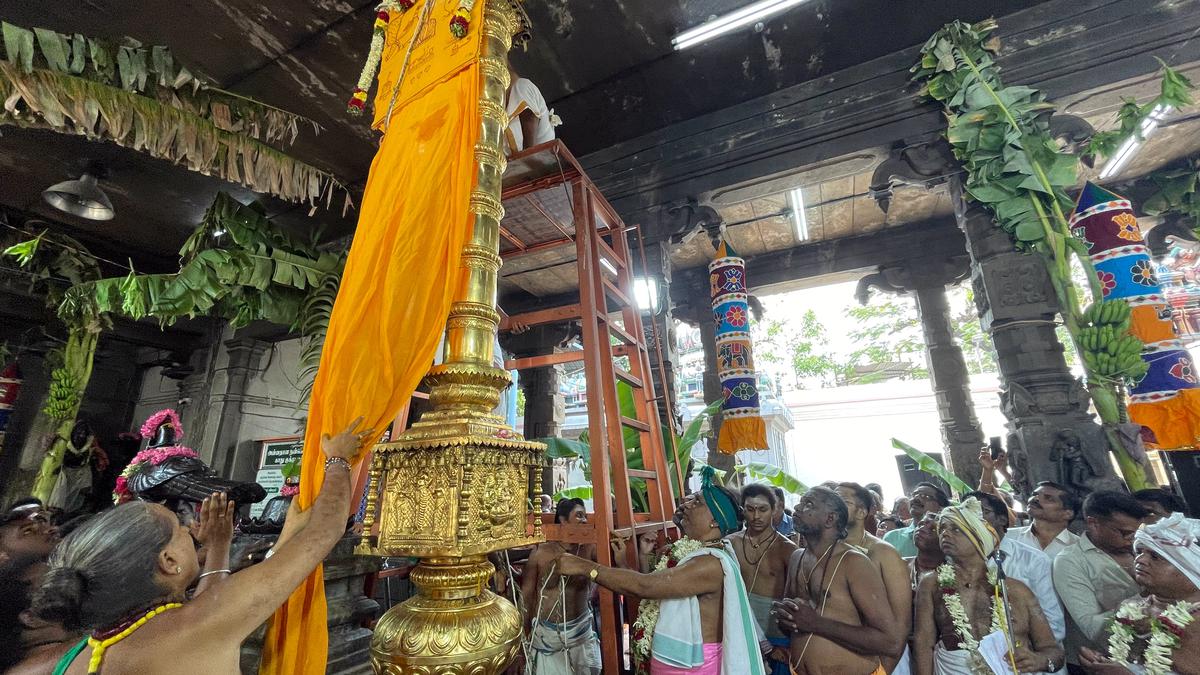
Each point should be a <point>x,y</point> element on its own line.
<point>225,571</point>
<point>342,461</point>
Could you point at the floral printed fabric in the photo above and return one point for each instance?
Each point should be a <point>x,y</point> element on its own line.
<point>742,427</point>
<point>1167,400</point>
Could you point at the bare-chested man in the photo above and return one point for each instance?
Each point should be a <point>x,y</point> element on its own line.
<point>1167,570</point>
<point>859,504</point>
<point>763,554</point>
<point>837,608</point>
<point>558,618</point>
<point>939,645</point>
<point>704,624</point>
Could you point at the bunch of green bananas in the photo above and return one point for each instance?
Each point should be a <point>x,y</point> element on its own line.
<point>64,394</point>
<point>1109,350</point>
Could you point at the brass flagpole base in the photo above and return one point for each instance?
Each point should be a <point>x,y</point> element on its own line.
<point>454,626</point>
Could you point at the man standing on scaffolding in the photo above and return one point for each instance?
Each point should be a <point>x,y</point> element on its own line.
<point>560,636</point>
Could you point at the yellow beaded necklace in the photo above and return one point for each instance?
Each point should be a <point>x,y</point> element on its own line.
<point>100,646</point>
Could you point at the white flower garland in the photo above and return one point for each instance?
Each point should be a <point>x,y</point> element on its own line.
<point>1166,633</point>
<point>647,617</point>
<point>947,581</point>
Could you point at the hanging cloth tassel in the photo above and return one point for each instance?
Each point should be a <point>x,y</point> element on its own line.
<point>742,427</point>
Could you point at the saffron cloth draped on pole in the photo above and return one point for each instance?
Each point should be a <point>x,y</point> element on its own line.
<point>400,277</point>
<point>1167,400</point>
<point>742,427</point>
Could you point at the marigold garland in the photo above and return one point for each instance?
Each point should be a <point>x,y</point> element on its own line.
<point>383,16</point>
<point>1166,634</point>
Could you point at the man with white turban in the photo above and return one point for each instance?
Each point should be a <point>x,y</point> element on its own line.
<point>1157,632</point>
<point>961,603</point>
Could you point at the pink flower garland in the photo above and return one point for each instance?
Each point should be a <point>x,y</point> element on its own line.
<point>289,490</point>
<point>151,456</point>
<point>158,418</point>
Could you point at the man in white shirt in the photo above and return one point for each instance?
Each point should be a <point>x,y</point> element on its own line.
<point>1052,507</point>
<point>1024,563</point>
<point>531,121</point>
<point>1094,575</point>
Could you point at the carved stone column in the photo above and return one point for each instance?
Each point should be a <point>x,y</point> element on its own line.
<point>700,314</point>
<point>1051,433</point>
<point>926,280</point>
<point>545,406</point>
<point>232,455</point>
<point>545,412</point>
<point>662,327</point>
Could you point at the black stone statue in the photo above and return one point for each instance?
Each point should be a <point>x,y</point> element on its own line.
<point>181,482</point>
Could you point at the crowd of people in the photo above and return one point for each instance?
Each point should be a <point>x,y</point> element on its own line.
<point>841,585</point>
<point>837,585</point>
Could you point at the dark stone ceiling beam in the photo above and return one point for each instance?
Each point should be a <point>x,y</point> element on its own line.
<point>932,241</point>
<point>1064,47</point>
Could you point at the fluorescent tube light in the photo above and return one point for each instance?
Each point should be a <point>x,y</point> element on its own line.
<point>1132,144</point>
<point>799,218</point>
<point>607,265</point>
<point>729,22</point>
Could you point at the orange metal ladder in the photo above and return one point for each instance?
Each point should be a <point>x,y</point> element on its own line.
<point>613,350</point>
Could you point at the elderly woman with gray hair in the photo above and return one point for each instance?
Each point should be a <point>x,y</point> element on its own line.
<point>115,576</point>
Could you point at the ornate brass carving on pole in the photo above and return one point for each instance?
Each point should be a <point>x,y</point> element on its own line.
<point>459,484</point>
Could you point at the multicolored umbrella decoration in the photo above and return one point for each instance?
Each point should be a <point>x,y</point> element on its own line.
<point>742,427</point>
<point>1167,399</point>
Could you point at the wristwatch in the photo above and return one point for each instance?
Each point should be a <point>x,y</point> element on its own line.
<point>594,573</point>
<point>1050,666</point>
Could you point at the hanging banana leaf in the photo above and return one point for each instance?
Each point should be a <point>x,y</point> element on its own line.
<point>565,448</point>
<point>774,475</point>
<point>931,466</point>
<point>579,492</point>
<point>682,454</point>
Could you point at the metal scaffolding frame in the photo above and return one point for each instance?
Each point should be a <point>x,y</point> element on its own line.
<point>613,349</point>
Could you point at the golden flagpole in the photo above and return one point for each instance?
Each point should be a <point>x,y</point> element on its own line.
<point>460,483</point>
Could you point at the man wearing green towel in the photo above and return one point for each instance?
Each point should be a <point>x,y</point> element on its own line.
<point>694,616</point>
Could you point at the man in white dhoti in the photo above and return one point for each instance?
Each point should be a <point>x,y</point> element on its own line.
<point>963,602</point>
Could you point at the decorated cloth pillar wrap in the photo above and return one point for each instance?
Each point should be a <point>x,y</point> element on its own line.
<point>401,275</point>
<point>1167,400</point>
<point>742,426</point>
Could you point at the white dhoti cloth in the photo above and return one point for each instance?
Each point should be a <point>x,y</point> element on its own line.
<point>571,648</point>
<point>954,661</point>
<point>951,661</point>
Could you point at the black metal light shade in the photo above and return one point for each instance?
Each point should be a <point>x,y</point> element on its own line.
<point>81,197</point>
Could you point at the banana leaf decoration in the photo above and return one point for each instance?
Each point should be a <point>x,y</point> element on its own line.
<point>769,473</point>
<point>931,466</point>
<point>138,97</point>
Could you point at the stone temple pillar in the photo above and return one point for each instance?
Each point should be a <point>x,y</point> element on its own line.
<point>700,314</point>
<point>545,412</point>
<point>961,434</point>
<point>1050,428</point>
<point>926,280</point>
<point>662,327</point>
<point>545,408</point>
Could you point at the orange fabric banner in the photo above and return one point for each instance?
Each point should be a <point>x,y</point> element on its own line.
<point>395,295</point>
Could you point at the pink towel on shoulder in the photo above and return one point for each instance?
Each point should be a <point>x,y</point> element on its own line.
<point>711,665</point>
